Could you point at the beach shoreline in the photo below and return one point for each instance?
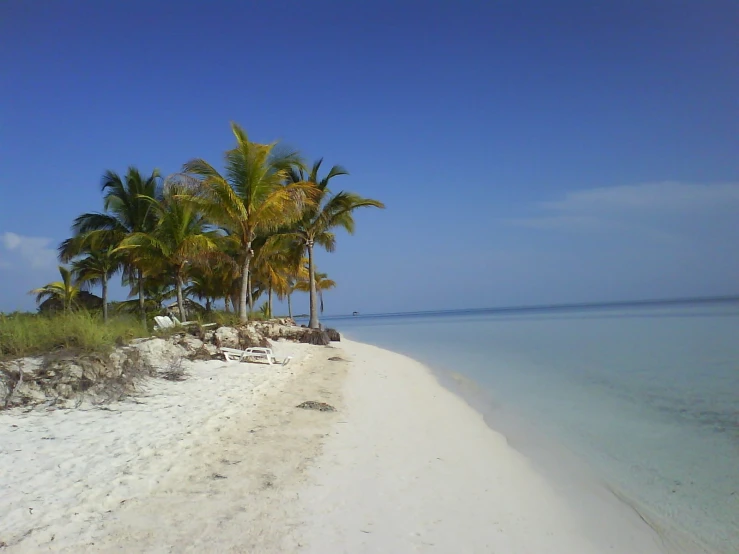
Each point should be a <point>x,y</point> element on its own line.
<point>462,486</point>
<point>404,464</point>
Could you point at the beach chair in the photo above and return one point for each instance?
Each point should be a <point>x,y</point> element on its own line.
<point>167,322</point>
<point>257,352</point>
<point>162,322</point>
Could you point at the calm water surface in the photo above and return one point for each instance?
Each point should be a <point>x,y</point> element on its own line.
<point>646,396</point>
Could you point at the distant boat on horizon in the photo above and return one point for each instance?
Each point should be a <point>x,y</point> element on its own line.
<point>355,313</point>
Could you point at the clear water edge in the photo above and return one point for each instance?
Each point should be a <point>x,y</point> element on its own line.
<point>589,495</point>
<point>665,444</point>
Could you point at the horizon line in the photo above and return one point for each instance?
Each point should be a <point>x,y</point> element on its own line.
<point>524,307</point>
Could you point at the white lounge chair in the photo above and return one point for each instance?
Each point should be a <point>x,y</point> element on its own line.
<point>167,322</point>
<point>258,352</point>
<point>162,322</point>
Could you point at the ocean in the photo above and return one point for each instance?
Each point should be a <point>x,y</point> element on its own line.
<point>643,398</point>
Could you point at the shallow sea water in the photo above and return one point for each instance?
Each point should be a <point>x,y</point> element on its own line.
<point>647,397</point>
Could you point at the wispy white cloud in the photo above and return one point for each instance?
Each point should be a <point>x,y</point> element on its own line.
<point>18,251</point>
<point>582,222</point>
<point>634,207</point>
<point>660,197</point>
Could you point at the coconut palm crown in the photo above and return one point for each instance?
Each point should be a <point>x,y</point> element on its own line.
<point>322,283</point>
<point>251,196</point>
<point>126,212</point>
<point>329,211</point>
<point>179,240</point>
<point>65,290</point>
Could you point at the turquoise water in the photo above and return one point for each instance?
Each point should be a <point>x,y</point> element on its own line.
<point>646,396</point>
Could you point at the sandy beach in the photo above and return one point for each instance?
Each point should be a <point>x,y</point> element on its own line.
<point>224,462</point>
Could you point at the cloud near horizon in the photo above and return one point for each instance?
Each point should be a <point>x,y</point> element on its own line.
<point>651,208</point>
<point>654,240</point>
<point>23,252</point>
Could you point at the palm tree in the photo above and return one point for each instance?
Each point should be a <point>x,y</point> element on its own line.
<point>214,280</point>
<point>204,286</point>
<point>178,240</point>
<point>126,212</point>
<point>65,290</point>
<point>276,262</point>
<point>293,281</point>
<point>100,261</point>
<point>322,283</point>
<point>329,211</point>
<point>156,292</point>
<point>96,268</point>
<point>251,197</point>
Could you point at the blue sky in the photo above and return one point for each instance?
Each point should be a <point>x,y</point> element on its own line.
<point>528,152</point>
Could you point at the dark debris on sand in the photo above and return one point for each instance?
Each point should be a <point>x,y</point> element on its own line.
<point>313,405</point>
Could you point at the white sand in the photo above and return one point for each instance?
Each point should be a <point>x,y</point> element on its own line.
<point>414,469</point>
<point>224,462</point>
<point>149,476</point>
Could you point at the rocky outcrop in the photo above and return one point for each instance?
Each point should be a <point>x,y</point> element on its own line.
<point>197,349</point>
<point>158,353</point>
<point>68,378</point>
<point>315,336</point>
<point>276,330</point>
<point>227,337</point>
<point>250,336</point>
<point>97,378</point>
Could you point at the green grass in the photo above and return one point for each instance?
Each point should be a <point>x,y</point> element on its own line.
<point>28,334</point>
<point>25,334</point>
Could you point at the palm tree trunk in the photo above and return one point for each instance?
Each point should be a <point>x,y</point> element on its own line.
<point>313,323</point>
<point>250,296</point>
<point>289,306</point>
<point>269,300</point>
<point>207,304</point>
<point>142,306</point>
<point>181,299</point>
<point>105,298</point>
<point>226,304</point>
<point>245,286</point>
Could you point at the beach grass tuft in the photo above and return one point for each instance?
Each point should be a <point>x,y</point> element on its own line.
<point>26,334</point>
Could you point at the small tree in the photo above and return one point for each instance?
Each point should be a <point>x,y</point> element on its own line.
<point>321,283</point>
<point>65,290</point>
<point>99,261</point>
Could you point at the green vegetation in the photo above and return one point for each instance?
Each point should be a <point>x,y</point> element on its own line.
<point>23,334</point>
<point>65,291</point>
<point>237,235</point>
<point>320,283</point>
<point>319,218</point>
